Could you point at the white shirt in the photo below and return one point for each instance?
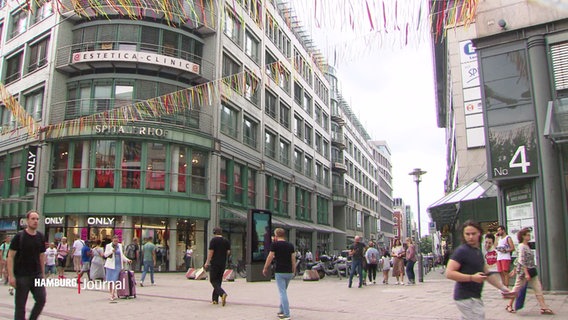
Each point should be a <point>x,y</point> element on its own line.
<point>503,243</point>
<point>78,245</point>
<point>50,256</point>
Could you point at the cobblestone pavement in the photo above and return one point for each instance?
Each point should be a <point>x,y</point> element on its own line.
<point>174,297</point>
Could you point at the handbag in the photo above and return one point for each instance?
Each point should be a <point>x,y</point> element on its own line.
<point>532,272</point>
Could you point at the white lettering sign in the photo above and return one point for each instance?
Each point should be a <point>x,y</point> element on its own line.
<point>134,56</point>
<point>100,221</point>
<point>54,220</point>
<point>144,131</point>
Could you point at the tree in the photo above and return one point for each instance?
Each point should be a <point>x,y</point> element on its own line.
<point>426,245</point>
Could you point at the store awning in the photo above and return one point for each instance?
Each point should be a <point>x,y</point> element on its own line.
<point>556,124</point>
<point>445,210</point>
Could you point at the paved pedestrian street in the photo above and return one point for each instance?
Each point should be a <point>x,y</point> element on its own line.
<point>174,297</point>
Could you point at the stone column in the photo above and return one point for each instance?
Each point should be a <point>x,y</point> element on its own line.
<point>550,225</point>
<point>172,244</point>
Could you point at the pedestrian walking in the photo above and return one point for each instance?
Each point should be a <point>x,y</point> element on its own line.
<point>26,261</point>
<point>148,260</point>
<point>86,255</point>
<point>283,252</point>
<point>115,262</point>
<point>4,248</point>
<point>356,253</point>
<point>187,257</point>
<point>526,272</point>
<point>97,263</point>
<point>504,249</point>
<point>132,252</point>
<point>467,268</point>
<point>372,256</point>
<point>50,255</point>
<point>219,249</point>
<point>386,261</point>
<point>410,260</point>
<point>76,254</point>
<point>398,262</point>
<point>62,253</point>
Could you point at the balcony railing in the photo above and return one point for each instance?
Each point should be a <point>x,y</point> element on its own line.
<point>187,119</point>
<point>201,18</point>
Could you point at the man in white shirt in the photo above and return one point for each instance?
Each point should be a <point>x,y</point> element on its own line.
<point>504,248</point>
<point>50,254</point>
<point>76,253</point>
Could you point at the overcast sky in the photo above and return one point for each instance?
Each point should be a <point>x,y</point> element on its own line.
<point>392,94</point>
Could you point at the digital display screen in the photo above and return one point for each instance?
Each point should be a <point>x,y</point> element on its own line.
<point>261,235</point>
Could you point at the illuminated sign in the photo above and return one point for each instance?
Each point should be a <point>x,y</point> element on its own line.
<point>135,56</point>
<point>135,130</point>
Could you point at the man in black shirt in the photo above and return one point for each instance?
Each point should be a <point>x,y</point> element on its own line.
<point>219,249</point>
<point>357,252</point>
<point>283,252</point>
<point>26,261</point>
<point>467,267</point>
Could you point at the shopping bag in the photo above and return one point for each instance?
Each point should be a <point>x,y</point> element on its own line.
<point>520,302</point>
<point>200,274</point>
<point>190,274</point>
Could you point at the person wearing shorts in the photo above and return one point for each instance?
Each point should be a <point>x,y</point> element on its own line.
<point>504,248</point>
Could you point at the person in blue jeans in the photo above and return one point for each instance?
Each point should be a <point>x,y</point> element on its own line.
<point>149,260</point>
<point>410,260</point>
<point>285,269</point>
<point>357,253</point>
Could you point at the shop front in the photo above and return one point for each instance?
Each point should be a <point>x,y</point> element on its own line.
<point>171,235</point>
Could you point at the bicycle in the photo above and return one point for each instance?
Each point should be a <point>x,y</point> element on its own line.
<point>240,267</point>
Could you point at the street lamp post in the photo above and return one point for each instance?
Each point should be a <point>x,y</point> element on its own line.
<point>417,173</point>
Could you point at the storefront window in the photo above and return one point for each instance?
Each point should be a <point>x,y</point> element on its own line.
<point>59,165</point>
<point>237,182</point>
<point>15,172</point>
<point>80,171</point>
<point>223,179</point>
<point>179,169</point>
<point>156,160</point>
<point>251,188</point>
<point>130,164</point>
<point>105,163</point>
<point>198,173</point>
<point>2,166</point>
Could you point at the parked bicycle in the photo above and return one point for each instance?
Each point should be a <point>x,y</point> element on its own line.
<point>240,267</point>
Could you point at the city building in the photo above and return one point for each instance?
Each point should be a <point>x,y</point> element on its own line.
<point>509,69</point>
<point>165,122</point>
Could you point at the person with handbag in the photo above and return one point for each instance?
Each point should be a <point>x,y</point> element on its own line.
<point>62,252</point>
<point>115,262</point>
<point>526,272</point>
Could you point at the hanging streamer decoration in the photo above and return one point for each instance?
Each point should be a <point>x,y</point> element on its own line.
<point>19,113</point>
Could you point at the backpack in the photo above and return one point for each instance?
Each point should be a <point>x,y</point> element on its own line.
<point>130,251</point>
<point>373,258</point>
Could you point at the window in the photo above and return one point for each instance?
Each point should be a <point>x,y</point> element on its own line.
<point>156,166</point>
<point>44,8</point>
<point>34,103</point>
<point>326,149</point>
<point>307,103</point>
<point>319,146</point>
<point>319,173</point>
<point>198,172</point>
<point>325,121</point>
<point>317,114</point>
<point>251,46</point>
<point>284,152</point>
<point>131,164</point>
<point>15,173</point>
<point>270,144</point>
<point>19,23</point>
<point>232,27</point>
<point>105,151</point>
<point>298,126</point>
<point>284,115</point>
<point>13,68</point>
<point>251,187</point>
<point>170,43</point>
<point>38,55</point>
<point>229,118</point>
<point>308,163</point>
<point>251,88</point>
<point>298,92</point>
<point>102,98</point>
<point>250,129</point>
<point>298,160</point>
<point>238,175</point>
<point>7,120</point>
<point>270,104</point>
<point>326,176</point>
<point>230,67</point>
<point>308,134</point>
<point>123,95</point>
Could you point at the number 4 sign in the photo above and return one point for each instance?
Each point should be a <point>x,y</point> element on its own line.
<point>520,156</point>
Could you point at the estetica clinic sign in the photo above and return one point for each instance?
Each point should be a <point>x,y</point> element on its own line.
<point>135,56</point>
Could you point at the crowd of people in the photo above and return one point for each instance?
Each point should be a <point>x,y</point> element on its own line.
<point>481,257</point>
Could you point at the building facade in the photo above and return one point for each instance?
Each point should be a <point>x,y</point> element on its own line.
<point>520,51</point>
<point>167,124</point>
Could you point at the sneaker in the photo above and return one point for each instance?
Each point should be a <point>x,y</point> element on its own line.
<point>223,299</point>
<point>374,282</point>
<point>284,318</point>
<point>280,314</point>
<point>141,284</point>
<point>214,302</point>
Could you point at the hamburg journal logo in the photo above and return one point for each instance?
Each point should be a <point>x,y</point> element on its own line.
<point>84,285</point>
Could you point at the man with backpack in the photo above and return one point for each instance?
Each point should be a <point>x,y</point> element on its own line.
<point>26,260</point>
<point>372,255</point>
<point>132,252</point>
